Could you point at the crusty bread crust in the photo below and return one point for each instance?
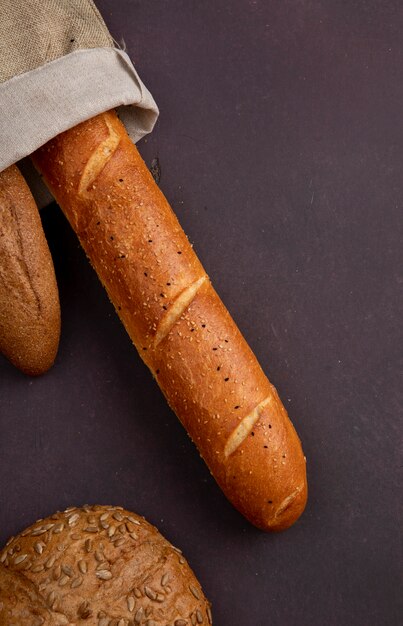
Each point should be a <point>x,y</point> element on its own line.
<point>176,320</point>
<point>22,605</point>
<point>104,565</point>
<point>29,300</point>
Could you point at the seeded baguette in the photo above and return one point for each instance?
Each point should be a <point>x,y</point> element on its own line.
<point>177,322</point>
<point>29,300</point>
<point>104,565</point>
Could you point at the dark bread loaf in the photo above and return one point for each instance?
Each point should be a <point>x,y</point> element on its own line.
<point>29,300</point>
<point>108,567</point>
<point>176,320</point>
<point>22,605</point>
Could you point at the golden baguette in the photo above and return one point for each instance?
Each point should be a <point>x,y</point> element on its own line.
<point>176,320</point>
<point>29,299</point>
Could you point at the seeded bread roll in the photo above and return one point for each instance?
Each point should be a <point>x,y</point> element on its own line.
<point>21,604</point>
<point>106,566</point>
<point>29,300</point>
<point>176,320</point>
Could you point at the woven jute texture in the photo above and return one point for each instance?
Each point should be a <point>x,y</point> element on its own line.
<point>34,32</point>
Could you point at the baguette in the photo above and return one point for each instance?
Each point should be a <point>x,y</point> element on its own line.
<point>29,300</point>
<point>176,320</point>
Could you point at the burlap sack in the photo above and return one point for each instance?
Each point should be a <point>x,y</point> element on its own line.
<point>59,66</point>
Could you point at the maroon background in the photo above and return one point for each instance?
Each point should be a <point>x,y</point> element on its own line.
<point>280,143</point>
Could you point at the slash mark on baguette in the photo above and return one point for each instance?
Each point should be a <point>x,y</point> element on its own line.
<point>244,427</point>
<point>180,304</point>
<point>98,159</point>
<point>286,503</point>
<point>14,236</point>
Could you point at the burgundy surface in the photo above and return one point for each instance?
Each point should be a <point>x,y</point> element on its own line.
<point>280,144</point>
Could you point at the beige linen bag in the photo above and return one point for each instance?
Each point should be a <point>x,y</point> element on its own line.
<point>58,67</point>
